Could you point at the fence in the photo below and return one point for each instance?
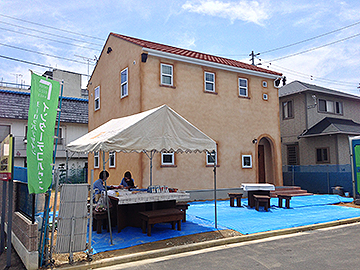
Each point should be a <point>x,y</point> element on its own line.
<point>319,179</point>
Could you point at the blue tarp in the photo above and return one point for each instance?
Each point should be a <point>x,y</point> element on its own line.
<point>305,210</point>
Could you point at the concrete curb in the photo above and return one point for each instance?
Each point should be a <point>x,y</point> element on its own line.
<point>203,245</point>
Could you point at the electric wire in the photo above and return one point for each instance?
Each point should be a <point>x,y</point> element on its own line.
<point>32,63</point>
<point>312,38</point>
<point>315,48</point>
<point>46,54</point>
<point>51,27</point>
<point>49,39</point>
<point>52,34</point>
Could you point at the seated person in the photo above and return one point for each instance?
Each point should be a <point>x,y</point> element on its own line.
<point>127,181</point>
<point>98,185</point>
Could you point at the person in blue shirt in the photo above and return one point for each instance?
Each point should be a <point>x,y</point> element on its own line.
<point>98,185</point>
<point>127,181</point>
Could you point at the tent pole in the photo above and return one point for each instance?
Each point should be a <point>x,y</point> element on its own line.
<point>90,249</point>
<point>215,192</point>
<point>151,166</point>
<point>107,201</point>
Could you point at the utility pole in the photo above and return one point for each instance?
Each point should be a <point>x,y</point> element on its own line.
<point>88,62</point>
<point>253,55</point>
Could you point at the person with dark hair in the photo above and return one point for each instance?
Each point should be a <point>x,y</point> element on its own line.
<point>127,181</point>
<point>98,185</point>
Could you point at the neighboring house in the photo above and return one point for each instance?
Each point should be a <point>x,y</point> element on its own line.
<point>234,103</point>
<point>73,124</point>
<point>316,123</point>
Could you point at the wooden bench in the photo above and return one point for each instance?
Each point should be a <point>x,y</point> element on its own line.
<point>100,219</point>
<point>171,215</point>
<point>263,200</point>
<point>287,199</point>
<point>234,196</point>
<point>183,206</point>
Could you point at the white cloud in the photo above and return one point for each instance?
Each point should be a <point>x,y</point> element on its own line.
<point>248,11</point>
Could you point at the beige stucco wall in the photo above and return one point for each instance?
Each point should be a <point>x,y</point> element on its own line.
<point>232,121</point>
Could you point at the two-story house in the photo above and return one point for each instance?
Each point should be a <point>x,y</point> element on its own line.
<point>73,122</point>
<point>316,123</point>
<point>234,103</point>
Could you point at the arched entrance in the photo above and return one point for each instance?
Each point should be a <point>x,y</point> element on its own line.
<point>265,161</point>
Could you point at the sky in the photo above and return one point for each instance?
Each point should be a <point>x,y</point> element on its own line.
<point>316,42</point>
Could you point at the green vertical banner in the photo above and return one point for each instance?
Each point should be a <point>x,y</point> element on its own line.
<point>357,166</point>
<point>44,101</point>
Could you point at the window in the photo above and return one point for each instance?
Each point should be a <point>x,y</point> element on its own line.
<point>264,84</point>
<point>322,155</point>
<point>243,87</point>
<point>211,158</point>
<point>97,98</point>
<point>292,154</point>
<point>96,159</point>
<point>288,109</point>
<point>265,96</point>
<point>4,131</point>
<point>167,159</point>
<point>209,82</point>
<point>329,106</point>
<point>246,161</point>
<point>124,82</point>
<point>166,74</point>
<point>112,159</point>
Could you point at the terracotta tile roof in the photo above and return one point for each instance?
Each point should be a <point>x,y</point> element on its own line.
<point>193,54</point>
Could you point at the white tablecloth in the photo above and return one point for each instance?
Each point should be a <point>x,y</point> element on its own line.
<point>251,187</point>
<point>127,197</point>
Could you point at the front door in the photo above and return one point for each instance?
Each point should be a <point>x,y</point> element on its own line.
<point>261,162</point>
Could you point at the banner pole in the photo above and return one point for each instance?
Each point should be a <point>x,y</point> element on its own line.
<point>10,209</point>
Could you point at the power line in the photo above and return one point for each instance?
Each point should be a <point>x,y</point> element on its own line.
<point>312,38</point>
<point>308,76</point>
<point>315,48</point>
<point>31,63</point>
<point>63,42</point>
<point>51,27</point>
<point>55,35</point>
<point>46,54</point>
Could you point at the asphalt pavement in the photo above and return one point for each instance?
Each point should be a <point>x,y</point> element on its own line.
<point>327,248</point>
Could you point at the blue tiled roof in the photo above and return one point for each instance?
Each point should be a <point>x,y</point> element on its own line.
<point>15,105</point>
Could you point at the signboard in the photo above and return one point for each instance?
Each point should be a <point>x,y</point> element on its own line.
<point>44,101</point>
<point>6,158</point>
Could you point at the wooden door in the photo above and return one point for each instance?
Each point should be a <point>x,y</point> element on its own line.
<point>261,162</point>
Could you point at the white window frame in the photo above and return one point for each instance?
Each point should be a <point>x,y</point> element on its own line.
<point>288,109</point>
<point>172,163</point>
<point>245,166</point>
<point>112,159</point>
<point>124,84</point>
<point>207,158</point>
<point>246,88</point>
<point>96,160</point>
<point>167,75</point>
<point>209,82</point>
<point>97,98</point>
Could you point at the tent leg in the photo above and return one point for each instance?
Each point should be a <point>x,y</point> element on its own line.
<point>107,202</point>
<point>215,195</point>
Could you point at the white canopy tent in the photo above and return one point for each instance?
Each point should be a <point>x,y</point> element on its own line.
<point>157,130</point>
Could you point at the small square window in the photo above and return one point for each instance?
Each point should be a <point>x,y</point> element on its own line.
<point>112,156</point>
<point>246,161</point>
<point>124,82</point>
<point>211,158</point>
<point>167,159</point>
<point>265,97</point>
<point>97,98</point>
<point>243,87</point>
<point>209,82</point>
<point>264,84</point>
<point>322,155</point>
<point>96,159</point>
<point>167,74</point>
